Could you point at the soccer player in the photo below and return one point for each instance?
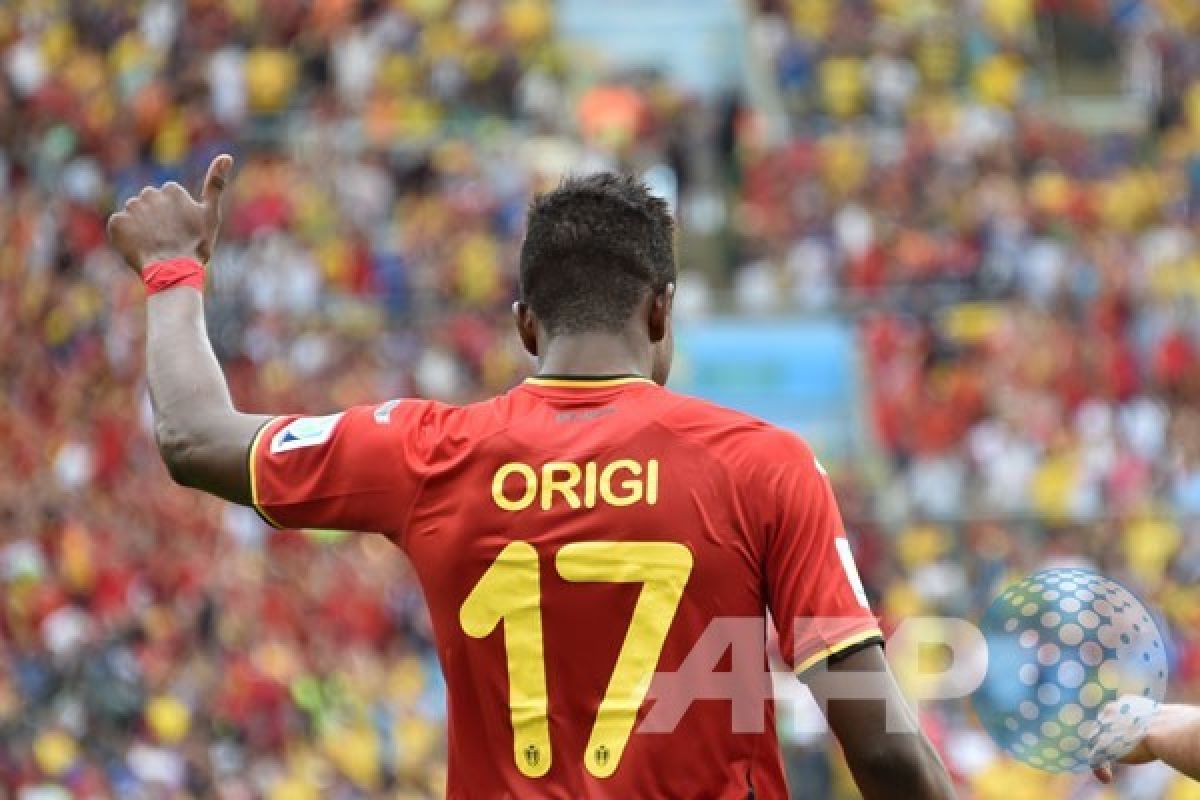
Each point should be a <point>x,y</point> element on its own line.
<point>573,537</point>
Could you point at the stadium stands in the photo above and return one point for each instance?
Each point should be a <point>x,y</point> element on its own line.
<point>1025,295</point>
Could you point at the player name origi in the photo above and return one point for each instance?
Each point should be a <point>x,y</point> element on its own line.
<point>516,486</point>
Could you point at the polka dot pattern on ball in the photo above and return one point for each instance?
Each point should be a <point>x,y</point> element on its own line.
<point>1063,645</point>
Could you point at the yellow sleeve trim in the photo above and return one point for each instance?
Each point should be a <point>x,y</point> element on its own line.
<point>253,459</point>
<point>833,650</point>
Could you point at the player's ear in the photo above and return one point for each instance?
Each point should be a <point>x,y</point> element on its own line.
<point>658,312</point>
<point>526,327</point>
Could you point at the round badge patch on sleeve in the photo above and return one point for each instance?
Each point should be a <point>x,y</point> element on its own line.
<point>304,432</point>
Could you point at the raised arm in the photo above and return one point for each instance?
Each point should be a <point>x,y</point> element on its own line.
<point>202,438</point>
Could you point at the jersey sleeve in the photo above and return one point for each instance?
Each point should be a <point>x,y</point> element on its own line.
<point>357,470</point>
<point>814,591</point>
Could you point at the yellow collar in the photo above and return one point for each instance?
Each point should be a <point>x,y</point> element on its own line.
<point>584,382</point>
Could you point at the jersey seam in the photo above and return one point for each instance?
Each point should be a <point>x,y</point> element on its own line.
<point>770,469</point>
<point>401,532</point>
<point>727,474</point>
<point>850,641</point>
<point>680,400</point>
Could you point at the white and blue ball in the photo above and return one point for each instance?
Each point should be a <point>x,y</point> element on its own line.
<point>1063,646</point>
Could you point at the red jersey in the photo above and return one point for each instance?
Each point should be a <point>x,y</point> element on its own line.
<point>573,538</point>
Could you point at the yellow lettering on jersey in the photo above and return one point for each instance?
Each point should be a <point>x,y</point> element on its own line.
<point>531,485</point>
<point>510,593</point>
<point>589,484</point>
<point>564,486</point>
<point>619,483</point>
<point>663,569</point>
<point>633,488</point>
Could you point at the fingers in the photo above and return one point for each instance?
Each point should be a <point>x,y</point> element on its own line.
<point>171,193</point>
<point>1103,773</point>
<point>117,230</point>
<point>114,222</point>
<point>146,197</point>
<point>166,220</point>
<point>214,186</point>
<point>173,189</point>
<point>151,194</point>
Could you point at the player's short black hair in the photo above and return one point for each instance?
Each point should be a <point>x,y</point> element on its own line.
<point>593,248</point>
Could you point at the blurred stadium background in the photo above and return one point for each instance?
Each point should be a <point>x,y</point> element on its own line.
<point>954,243</point>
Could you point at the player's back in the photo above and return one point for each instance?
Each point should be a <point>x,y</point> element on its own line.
<point>573,538</point>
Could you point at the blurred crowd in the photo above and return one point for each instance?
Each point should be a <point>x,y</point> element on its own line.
<point>1025,295</point>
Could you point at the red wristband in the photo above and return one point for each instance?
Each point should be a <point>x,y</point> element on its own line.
<point>172,272</point>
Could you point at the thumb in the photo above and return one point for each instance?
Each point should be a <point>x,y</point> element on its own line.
<point>214,185</point>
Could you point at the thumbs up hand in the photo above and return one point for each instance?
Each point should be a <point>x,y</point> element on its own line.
<point>167,222</point>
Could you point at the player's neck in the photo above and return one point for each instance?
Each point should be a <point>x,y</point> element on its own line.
<point>592,354</point>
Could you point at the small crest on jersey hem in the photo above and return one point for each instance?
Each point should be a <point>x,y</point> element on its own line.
<point>304,432</point>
